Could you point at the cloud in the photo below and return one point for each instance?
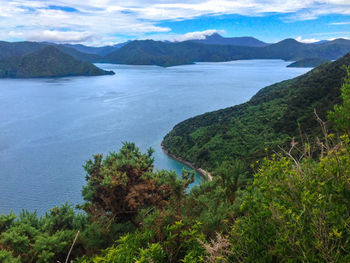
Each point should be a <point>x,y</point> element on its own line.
<point>116,20</point>
<point>197,35</point>
<point>339,23</point>
<point>334,38</point>
<point>306,40</point>
<point>327,34</point>
<point>60,37</point>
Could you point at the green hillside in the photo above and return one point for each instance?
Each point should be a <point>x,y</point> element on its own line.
<point>269,119</point>
<point>149,52</point>
<point>217,39</point>
<point>308,62</point>
<point>12,49</point>
<point>47,62</point>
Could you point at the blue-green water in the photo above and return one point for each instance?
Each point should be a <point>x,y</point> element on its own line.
<point>49,127</point>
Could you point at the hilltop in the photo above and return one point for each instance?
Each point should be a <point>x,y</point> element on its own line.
<point>13,49</point>
<point>217,39</point>
<point>47,62</point>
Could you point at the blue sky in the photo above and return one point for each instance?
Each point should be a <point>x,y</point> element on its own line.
<point>102,22</point>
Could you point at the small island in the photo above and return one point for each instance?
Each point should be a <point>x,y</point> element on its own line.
<point>47,62</point>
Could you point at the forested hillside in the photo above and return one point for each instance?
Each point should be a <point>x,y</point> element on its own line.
<point>149,52</point>
<point>308,62</point>
<point>217,39</point>
<point>271,118</point>
<point>166,54</point>
<point>14,49</point>
<point>47,62</point>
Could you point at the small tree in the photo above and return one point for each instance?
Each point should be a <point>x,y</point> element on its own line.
<point>122,184</point>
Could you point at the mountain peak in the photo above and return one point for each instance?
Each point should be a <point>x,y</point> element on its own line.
<point>214,36</point>
<point>217,39</point>
<point>288,42</point>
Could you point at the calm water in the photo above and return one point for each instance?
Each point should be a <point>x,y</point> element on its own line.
<point>49,127</point>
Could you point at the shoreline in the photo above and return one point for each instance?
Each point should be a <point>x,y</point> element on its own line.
<point>201,171</point>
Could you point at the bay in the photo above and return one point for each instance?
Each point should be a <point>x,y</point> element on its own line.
<point>49,127</point>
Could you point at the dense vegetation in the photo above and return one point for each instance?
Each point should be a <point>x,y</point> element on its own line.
<point>149,52</point>
<point>47,62</point>
<point>270,119</point>
<point>308,62</point>
<point>295,210</point>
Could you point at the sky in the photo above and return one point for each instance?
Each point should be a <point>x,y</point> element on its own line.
<point>107,22</point>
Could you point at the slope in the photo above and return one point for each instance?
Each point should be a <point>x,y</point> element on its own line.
<point>217,39</point>
<point>12,49</point>
<point>47,62</point>
<point>269,119</point>
<point>149,52</point>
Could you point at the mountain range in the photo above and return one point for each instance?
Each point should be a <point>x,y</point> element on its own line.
<point>150,52</point>
<point>101,51</point>
<point>214,48</point>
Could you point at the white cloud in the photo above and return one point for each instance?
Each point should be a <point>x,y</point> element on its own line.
<point>334,38</point>
<point>339,23</point>
<point>306,40</point>
<point>60,37</point>
<point>109,20</point>
<point>196,35</point>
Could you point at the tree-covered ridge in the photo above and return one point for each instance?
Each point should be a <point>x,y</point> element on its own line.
<point>47,62</point>
<point>308,62</point>
<point>149,52</point>
<point>166,54</point>
<point>271,118</point>
<point>16,49</point>
<point>217,39</point>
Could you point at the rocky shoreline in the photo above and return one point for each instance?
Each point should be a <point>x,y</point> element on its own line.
<point>201,171</point>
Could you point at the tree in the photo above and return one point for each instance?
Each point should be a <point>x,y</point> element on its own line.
<point>122,184</point>
<point>230,173</point>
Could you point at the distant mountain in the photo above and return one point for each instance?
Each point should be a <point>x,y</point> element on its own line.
<point>217,39</point>
<point>166,54</point>
<point>149,52</point>
<point>49,61</point>
<point>308,63</point>
<point>321,42</point>
<point>274,116</point>
<point>292,50</point>
<point>101,51</point>
<point>92,58</point>
<point>10,49</point>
